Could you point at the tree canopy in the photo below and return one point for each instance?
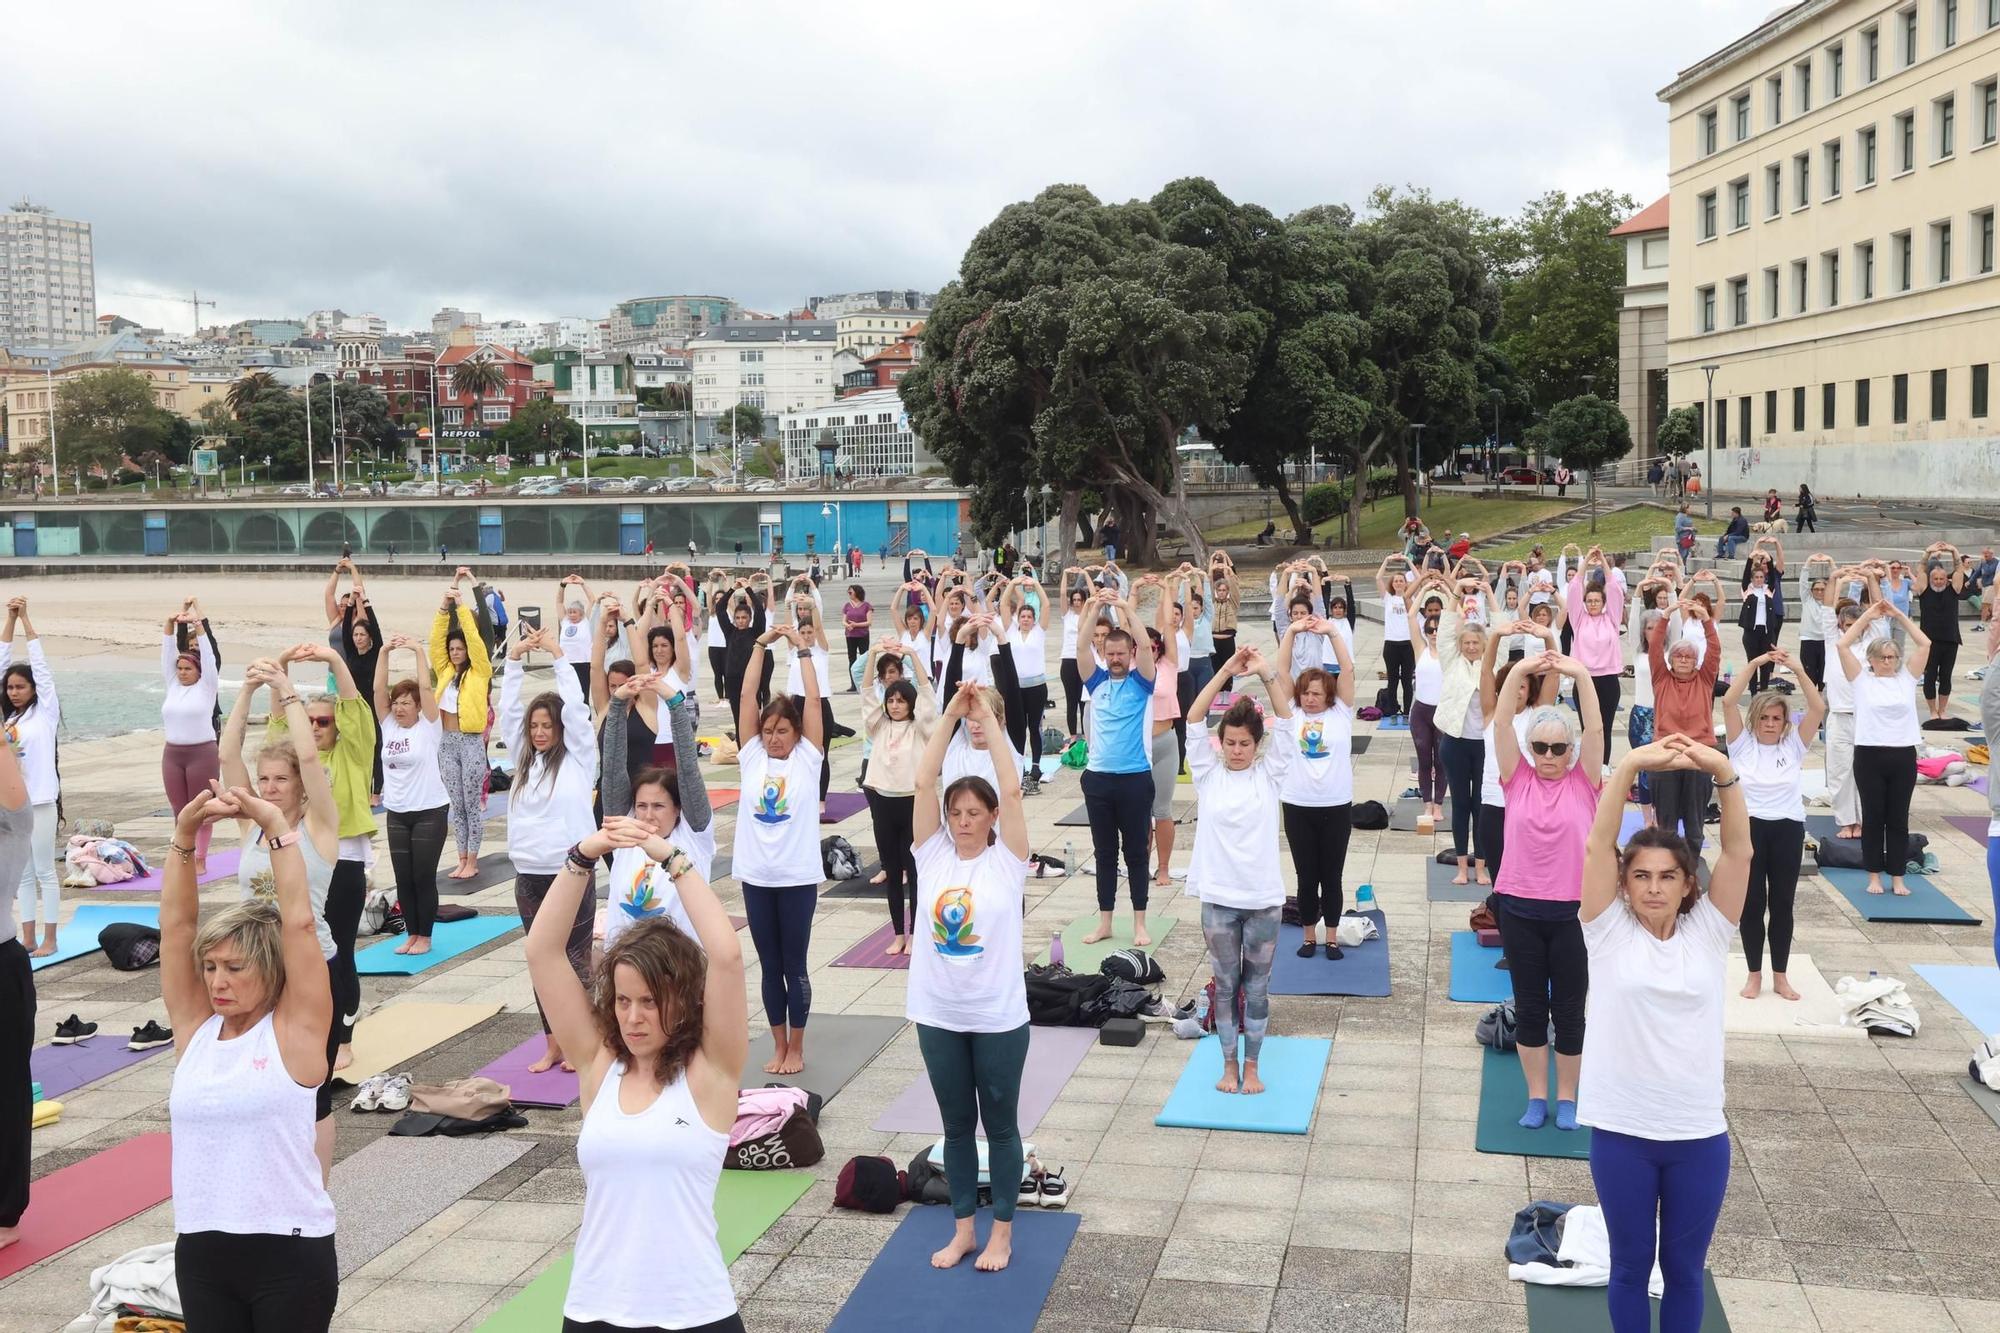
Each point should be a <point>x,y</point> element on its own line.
<point>1680,432</point>
<point>105,417</point>
<point>542,425</point>
<point>1562,275</point>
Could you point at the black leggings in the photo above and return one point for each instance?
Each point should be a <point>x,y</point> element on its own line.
<point>1680,804</point>
<point>856,650</point>
<point>718,671</point>
<point>1937,669</point>
<point>346,892</point>
<point>1757,642</point>
<point>1400,656</point>
<point>1225,648</point>
<point>892,817</point>
<point>1033,702</point>
<point>17,1098</point>
<point>1318,835</point>
<point>1072,681</point>
<point>1776,848</point>
<point>1491,831</point>
<point>233,1283</point>
<point>416,840</point>
<point>1812,656</point>
<point>1886,778</point>
<point>1607,707</point>
<point>1551,973</point>
<point>1120,806</point>
<point>1463,761</point>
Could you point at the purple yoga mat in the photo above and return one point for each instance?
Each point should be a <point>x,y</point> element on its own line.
<point>221,866</point>
<point>61,1069</point>
<point>553,1088</point>
<point>1053,1055</point>
<point>842,805</point>
<point>1978,784</point>
<point>1972,826</point>
<point>870,952</point>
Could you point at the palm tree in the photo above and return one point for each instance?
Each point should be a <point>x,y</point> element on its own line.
<point>478,378</point>
<point>249,389</point>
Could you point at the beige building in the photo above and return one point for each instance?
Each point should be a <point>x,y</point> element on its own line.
<point>1833,184</point>
<point>177,387</point>
<point>866,332</point>
<point>1642,325</point>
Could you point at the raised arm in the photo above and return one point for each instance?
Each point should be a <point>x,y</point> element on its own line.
<point>1732,698</point>
<point>813,724</point>
<point>330,595</point>
<point>1849,663</point>
<point>1914,656</point>
<point>1006,782</point>
<point>181,985</point>
<point>564,1003</point>
<point>1729,881</point>
<point>1343,684</point>
<point>1506,745</point>
<point>926,815</point>
<point>1593,719</point>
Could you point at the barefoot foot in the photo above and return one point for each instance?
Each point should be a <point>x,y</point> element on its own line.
<point>420,944</point>
<point>1228,1082</point>
<point>1099,933</point>
<point>1753,987</point>
<point>879,877</point>
<point>999,1249</point>
<point>546,1063</point>
<point>793,1063</point>
<point>1782,986</point>
<point>343,1057</point>
<point>962,1243</point>
<point>8,1235</point>
<point>1252,1085</point>
<point>1140,939</point>
<point>48,947</point>
<point>1900,889</point>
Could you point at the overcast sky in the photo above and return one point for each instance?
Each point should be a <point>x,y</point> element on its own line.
<point>539,160</point>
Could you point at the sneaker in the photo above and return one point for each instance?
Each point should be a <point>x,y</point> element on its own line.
<point>1054,1191</point>
<point>73,1030</point>
<point>368,1097</point>
<point>395,1093</point>
<point>1153,1011</point>
<point>151,1035</point>
<point>1031,1191</point>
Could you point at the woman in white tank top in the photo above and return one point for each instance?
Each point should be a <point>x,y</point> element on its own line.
<point>659,1094</point>
<point>250,1004</point>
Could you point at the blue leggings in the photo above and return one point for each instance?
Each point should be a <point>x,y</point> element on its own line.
<point>781,922</point>
<point>1993,875</point>
<point>976,1078</point>
<point>1665,1189</point>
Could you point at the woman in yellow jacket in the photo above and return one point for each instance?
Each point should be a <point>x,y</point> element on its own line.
<point>464,686</point>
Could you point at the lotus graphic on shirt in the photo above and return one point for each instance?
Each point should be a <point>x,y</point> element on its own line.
<point>264,886</point>
<point>1312,741</point>
<point>951,925</point>
<point>642,902</point>
<point>772,808</point>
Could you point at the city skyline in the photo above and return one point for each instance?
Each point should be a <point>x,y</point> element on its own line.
<point>487,189</point>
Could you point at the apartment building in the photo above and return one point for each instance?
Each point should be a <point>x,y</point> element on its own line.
<point>667,321</point>
<point>1834,176</point>
<point>48,278</point>
<point>778,365</point>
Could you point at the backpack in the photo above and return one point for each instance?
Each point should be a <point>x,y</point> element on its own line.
<point>1056,995</point>
<point>870,1184</point>
<point>1496,1027</point>
<point>795,1143</point>
<point>376,910</point>
<point>838,859</point>
<point>1133,965</point>
<point>1207,1008</point>
<point>1369,815</point>
<point>1369,714</point>
<point>130,946</point>
<point>926,1182</point>
<point>1385,700</point>
<point>1119,999</point>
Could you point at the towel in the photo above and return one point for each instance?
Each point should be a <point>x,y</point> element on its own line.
<point>141,1278</point>
<point>1879,1004</point>
<point>1584,1257</point>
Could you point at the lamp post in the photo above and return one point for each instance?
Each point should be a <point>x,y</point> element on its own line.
<point>831,509</point>
<point>1047,493</point>
<point>55,465</point>
<point>1708,443</point>
<point>1418,427</point>
<point>1496,434</point>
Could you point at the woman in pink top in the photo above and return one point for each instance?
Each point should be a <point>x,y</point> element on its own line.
<point>1597,635</point>
<point>856,614</point>
<point>1166,637</point>
<point>1551,801</point>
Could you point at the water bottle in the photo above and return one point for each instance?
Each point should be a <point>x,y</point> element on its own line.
<point>1055,949</point>
<point>1364,898</point>
<point>1069,859</point>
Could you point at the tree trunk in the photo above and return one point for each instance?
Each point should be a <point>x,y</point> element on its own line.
<point>1590,489</point>
<point>1066,528</point>
<point>1173,508</point>
<point>1302,533</point>
<point>1407,481</point>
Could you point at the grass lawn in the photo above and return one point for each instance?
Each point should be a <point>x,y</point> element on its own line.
<point>1627,530</point>
<point>1480,515</point>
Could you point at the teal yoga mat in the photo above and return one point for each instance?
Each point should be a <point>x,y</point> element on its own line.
<point>1973,991</point>
<point>1475,975</point>
<point>1292,1069</point>
<point>1585,1310</point>
<point>1503,1095</point>
<point>1925,905</point>
<point>449,939</point>
<point>78,935</point>
<point>902,1293</point>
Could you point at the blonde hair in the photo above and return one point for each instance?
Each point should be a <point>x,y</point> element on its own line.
<point>284,752</point>
<point>1765,699</point>
<point>257,931</point>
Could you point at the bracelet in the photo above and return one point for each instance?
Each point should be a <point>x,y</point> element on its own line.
<point>576,858</point>
<point>288,701</point>
<point>185,853</point>
<point>1731,783</point>
<point>290,838</point>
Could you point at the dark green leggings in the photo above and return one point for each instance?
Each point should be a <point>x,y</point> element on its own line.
<point>976,1077</point>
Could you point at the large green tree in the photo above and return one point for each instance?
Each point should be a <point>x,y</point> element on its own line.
<point>1680,432</point>
<point>1563,275</point>
<point>743,422</point>
<point>1587,432</point>
<point>541,426</point>
<point>105,417</point>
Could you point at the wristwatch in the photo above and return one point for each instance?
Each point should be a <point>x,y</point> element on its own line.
<point>285,839</point>
<point>677,698</point>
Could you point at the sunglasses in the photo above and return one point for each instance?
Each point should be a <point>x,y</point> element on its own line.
<point>321,721</point>
<point>1556,748</point>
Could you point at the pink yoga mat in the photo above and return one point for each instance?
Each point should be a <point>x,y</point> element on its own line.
<point>221,866</point>
<point>61,1069</point>
<point>553,1088</point>
<point>1053,1055</point>
<point>82,1200</point>
<point>842,805</point>
<point>870,952</point>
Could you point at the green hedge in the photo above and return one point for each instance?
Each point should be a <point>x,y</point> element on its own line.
<point>1328,500</point>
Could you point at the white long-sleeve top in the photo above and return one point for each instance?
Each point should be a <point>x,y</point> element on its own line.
<point>547,812</point>
<point>32,732</point>
<point>189,711</point>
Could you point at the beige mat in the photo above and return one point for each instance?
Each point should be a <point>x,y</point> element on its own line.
<point>390,1036</point>
<point>1816,1013</point>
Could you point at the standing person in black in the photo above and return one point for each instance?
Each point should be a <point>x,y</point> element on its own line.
<point>1807,510</point>
<point>1762,615</point>
<point>746,618</point>
<point>1937,616</point>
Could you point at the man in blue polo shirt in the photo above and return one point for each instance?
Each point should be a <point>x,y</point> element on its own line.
<point>1118,783</point>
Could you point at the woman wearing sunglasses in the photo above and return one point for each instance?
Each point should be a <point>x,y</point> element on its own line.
<point>1551,801</point>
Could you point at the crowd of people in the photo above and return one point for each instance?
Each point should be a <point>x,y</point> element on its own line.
<point>1510,680</point>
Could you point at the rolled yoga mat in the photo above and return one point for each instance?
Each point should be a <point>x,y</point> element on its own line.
<point>1926,904</point>
<point>1973,991</point>
<point>78,935</point>
<point>902,1293</point>
<point>1503,1096</point>
<point>1361,970</point>
<point>90,1196</point>
<point>221,866</point>
<point>555,1087</point>
<point>1081,957</point>
<point>870,952</point>
<point>838,1046</point>
<point>61,1069</point>
<point>1292,1069</point>
<point>449,939</point>
<point>1053,1055</point>
<point>1586,1310</point>
<point>1476,976</point>
<point>388,1189</point>
<point>1438,887</point>
<point>396,1034</point>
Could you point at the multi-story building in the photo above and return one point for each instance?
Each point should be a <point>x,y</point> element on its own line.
<point>265,332</point>
<point>48,279</point>
<point>658,370</point>
<point>405,382</point>
<point>1642,325</point>
<point>597,389</point>
<point>33,381</point>
<point>450,318</point>
<point>1832,259</point>
<point>872,430</point>
<point>774,364</point>
<point>869,331</point>
<point>913,304</point>
<point>883,369</point>
<point>463,410</point>
<point>667,321</point>
<point>568,331</point>
<point>515,333</point>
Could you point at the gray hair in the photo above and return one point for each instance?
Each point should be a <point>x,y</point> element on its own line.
<point>1548,715</point>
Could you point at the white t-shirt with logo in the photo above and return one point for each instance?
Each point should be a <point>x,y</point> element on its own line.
<point>1773,775</point>
<point>573,636</point>
<point>965,943</point>
<point>641,888</point>
<point>777,820</point>
<point>1395,619</point>
<point>1321,772</point>
<point>410,778</point>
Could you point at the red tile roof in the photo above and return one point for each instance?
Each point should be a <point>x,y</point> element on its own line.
<point>1651,218</point>
<point>451,356</point>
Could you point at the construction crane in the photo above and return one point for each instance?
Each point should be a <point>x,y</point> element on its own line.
<point>193,299</point>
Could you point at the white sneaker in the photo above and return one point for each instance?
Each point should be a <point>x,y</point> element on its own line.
<point>368,1097</point>
<point>396,1093</point>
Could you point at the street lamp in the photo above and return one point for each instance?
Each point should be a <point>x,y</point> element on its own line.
<point>1496,434</point>
<point>1708,441</point>
<point>831,509</point>
<point>1044,561</point>
<point>1418,427</point>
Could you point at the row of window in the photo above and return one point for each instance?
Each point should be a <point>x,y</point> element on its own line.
<point>1832,60</point>
<point>1793,294</point>
<point>489,413</point>
<point>1735,197</point>
<point>1861,395</point>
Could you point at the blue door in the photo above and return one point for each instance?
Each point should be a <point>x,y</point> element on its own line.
<point>156,534</point>
<point>24,535</point>
<point>492,533</point>
<point>631,530</point>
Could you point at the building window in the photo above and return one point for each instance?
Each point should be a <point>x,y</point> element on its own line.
<point>1864,267</point>
<point>1979,373</point>
<point>1982,230</point>
<point>1947,24</point>
<point>1739,117</point>
<point>1799,408</point>
<point>1860,403</point>
<point>1989,108</point>
<point>1739,203</point>
<point>1708,132</point>
<point>1941,247</point>
<point>1798,286</point>
<point>454,416</point>
<point>1866,141</point>
<point>1802,174</point>
<point>1832,154</point>
<point>1774,99</point>
<point>1804,82</point>
<point>1774,189</point>
<point>496,412</point>
<point>1836,71</point>
<point>1900,407</point>
<point>1770,293</point>
<point>1722,424</point>
<point>1829,267</point>
<point>1944,115</point>
<point>1826,407</point>
<point>1770,411</point>
<point>1739,301</point>
<point>1705,310</point>
<point>1902,248</point>
<point>1993,13</point>
<point>1706,205</point>
<point>1653,252</point>
<point>1906,27</point>
<point>1906,142</point>
<point>1871,54</point>
<point>1743,420</point>
<point>1940,393</point>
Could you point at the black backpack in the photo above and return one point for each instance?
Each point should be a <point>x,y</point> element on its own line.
<point>1057,996</point>
<point>130,946</point>
<point>1370,815</point>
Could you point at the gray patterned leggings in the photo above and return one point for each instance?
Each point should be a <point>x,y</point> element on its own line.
<point>1241,944</point>
<point>462,765</point>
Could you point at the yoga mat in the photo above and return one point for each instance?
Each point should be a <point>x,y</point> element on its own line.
<point>1586,1309</point>
<point>841,806</point>
<point>1292,1069</point>
<point>1397,723</point>
<point>1361,970</point>
<point>1476,976</point>
<point>746,1204</point>
<point>869,952</point>
<point>838,1046</point>
<point>394,1185</point>
<point>1973,991</point>
<point>59,1069</point>
<point>1438,887</point>
<point>1972,826</point>
<point>1503,1095</point>
<point>90,1196</point>
<point>1982,1096</point>
<point>1978,784</point>
<point>449,939</point>
<point>1816,1013</point>
<point>1080,817</point>
<point>1053,1055</point>
<point>902,1293</point>
<point>859,887</point>
<point>555,1087</point>
<point>221,865</point>
<point>1821,827</point>
<point>1404,813</point>
<point>78,935</point>
<point>1926,903</point>
<point>494,869</point>
<point>397,1033</point>
<point>1358,741</point>
<point>1081,957</point>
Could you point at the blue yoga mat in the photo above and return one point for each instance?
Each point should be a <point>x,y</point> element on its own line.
<point>1503,1096</point>
<point>78,935</point>
<point>1474,975</point>
<point>902,1293</point>
<point>1925,905</point>
<point>1292,1069</point>
<point>1362,970</point>
<point>1393,724</point>
<point>1973,991</point>
<point>449,939</point>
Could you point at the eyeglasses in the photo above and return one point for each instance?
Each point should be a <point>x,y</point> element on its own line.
<point>321,721</point>
<point>1556,748</point>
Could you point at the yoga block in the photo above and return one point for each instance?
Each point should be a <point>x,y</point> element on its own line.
<point>1488,939</point>
<point>1121,1032</point>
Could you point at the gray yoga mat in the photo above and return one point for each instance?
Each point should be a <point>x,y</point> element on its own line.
<point>1404,813</point>
<point>1982,1096</point>
<point>838,1046</point>
<point>395,1185</point>
<point>1438,887</point>
<point>1360,741</point>
<point>494,869</point>
<point>858,887</point>
<point>1080,817</point>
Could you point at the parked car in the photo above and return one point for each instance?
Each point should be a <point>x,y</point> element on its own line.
<point>1520,476</point>
<point>297,488</point>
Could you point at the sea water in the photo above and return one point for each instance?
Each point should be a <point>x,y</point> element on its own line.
<point>111,702</point>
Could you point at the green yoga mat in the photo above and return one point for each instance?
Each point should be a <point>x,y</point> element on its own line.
<point>746,1204</point>
<point>1585,1310</point>
<point>1081,957</point>
<point>1503,1095</point>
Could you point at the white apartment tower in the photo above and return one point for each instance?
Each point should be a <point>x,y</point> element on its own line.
<point>48,282</point>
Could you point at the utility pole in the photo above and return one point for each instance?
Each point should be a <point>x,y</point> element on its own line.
<point>1708,440</point>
